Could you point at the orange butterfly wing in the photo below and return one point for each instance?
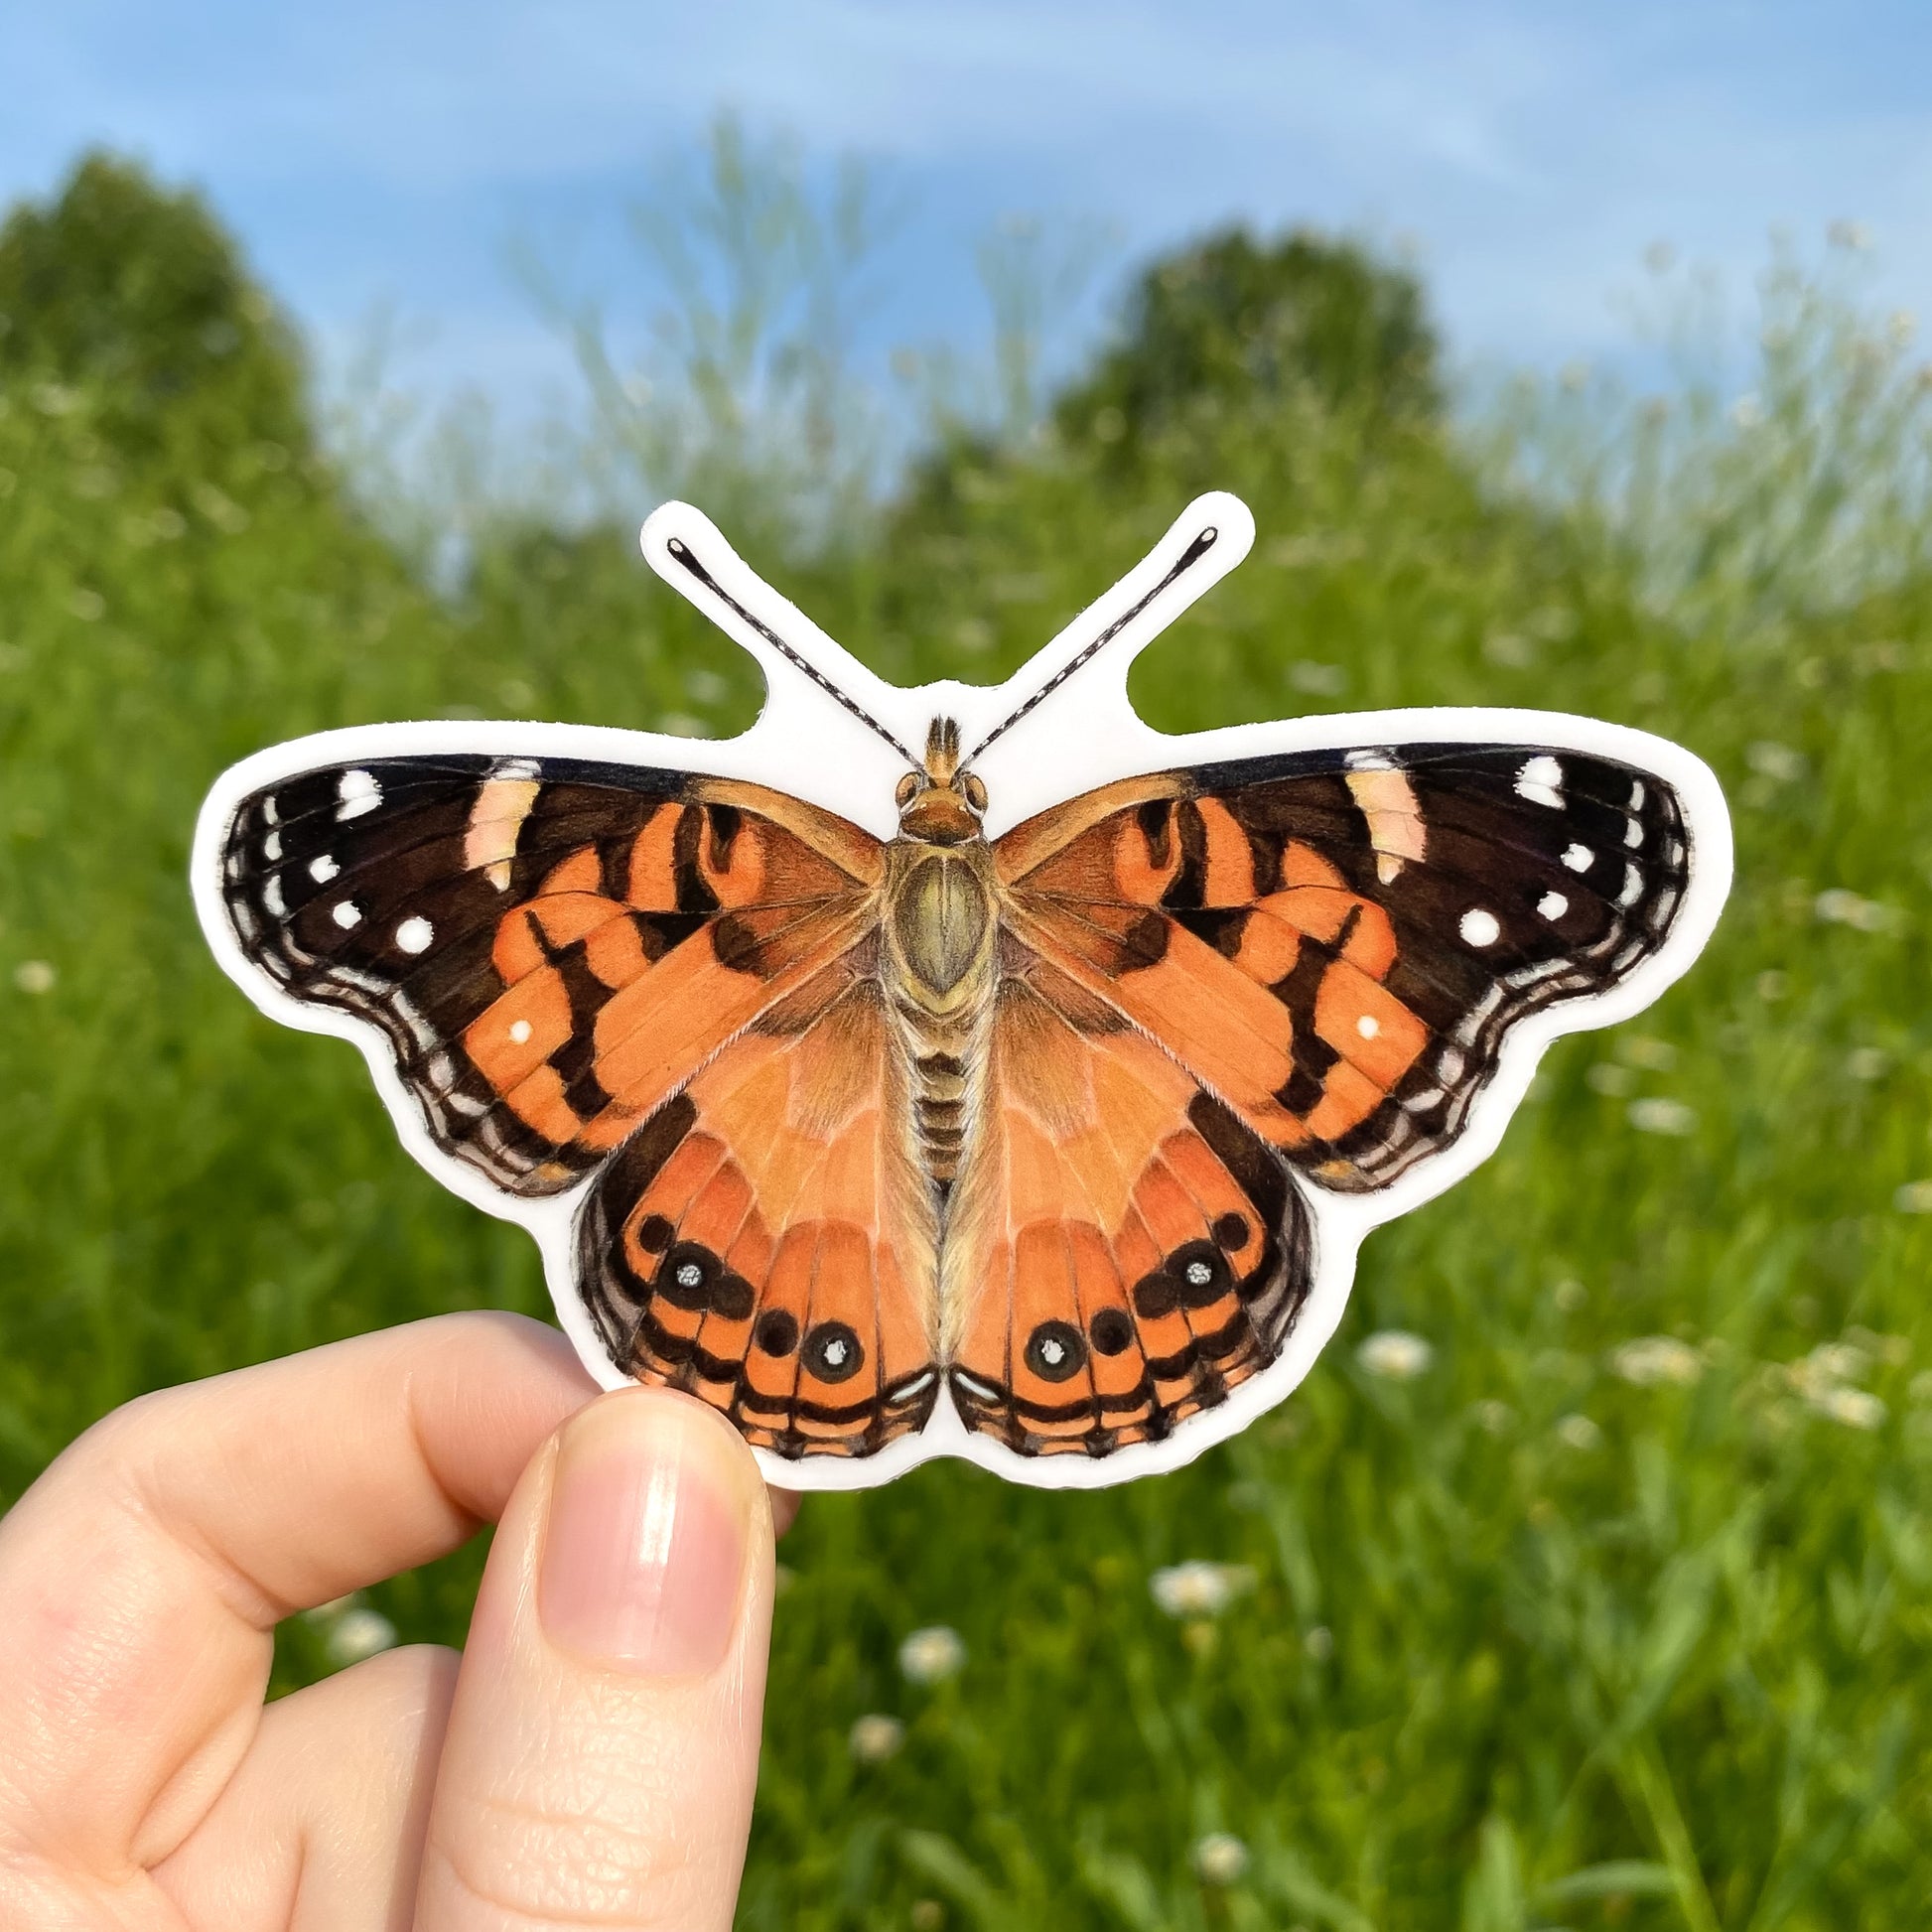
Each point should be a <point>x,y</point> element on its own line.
<point>1121,1251</point>
<point>1219,975</point>
<point>551,947</point>
<point>664,980</point>
<point>1337,943</point>
<point>766,1241</point>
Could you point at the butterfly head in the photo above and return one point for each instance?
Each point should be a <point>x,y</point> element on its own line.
<point>941,803</point>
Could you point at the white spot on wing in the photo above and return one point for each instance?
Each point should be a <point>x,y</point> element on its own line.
<point>1541,782</point>
<point>272,896</point>
<point>356,791</point>
<point>272,847</point>
<point>519,1031</point>
<point>414,936</point>
<point>1479,927</point>
<point>1632,833</point>
<point>348,913</point>
<point>1368,1026</point>
<point>1633,887</point>
<point>1553,905</point>
<point>1637,796</point>
<point>1579,858</point>
<point>321,868</point>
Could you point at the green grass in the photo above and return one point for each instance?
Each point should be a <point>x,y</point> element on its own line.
<point>1499,1667</point>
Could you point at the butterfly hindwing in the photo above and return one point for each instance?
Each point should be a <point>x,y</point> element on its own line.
<point>1121,1251</point>
<point>1337,943</point>
<point>766,1241</point>
<point>550,947</point>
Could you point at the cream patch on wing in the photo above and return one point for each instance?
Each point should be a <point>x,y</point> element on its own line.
<point>497,821</point>
<point>1387,800</point>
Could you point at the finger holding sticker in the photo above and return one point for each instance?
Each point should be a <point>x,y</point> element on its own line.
<point>592,1754</point>
<point>960,1071</point>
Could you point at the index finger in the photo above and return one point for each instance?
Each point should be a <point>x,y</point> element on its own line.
<point>141,1578</point>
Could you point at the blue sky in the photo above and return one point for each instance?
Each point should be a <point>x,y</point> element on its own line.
<point>389,153</point>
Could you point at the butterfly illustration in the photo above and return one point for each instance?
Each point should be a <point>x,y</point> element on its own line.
<point>963,1071</point>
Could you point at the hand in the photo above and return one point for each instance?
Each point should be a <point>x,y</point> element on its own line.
<point>587,1759</point>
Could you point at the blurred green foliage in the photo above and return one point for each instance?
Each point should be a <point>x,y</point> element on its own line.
<point>1233,324</point>
<point>1553,1632</point>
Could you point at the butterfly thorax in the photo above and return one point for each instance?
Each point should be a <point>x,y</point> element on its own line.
<point>941,932</point>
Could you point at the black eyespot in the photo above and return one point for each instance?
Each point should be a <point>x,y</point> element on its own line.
<point>833,1352</point>
<point>1231,1232</point>
<point>1200,1273</point>
<point>653,1234</point>
<point>1055,1352</point>
<point>1111,1330</point>
<point>693,1278</point>
<point>776,1332</point>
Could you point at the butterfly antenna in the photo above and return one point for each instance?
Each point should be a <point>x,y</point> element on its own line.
<point>1186,562</point>
<point>686,558</point>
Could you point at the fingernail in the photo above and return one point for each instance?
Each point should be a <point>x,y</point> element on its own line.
<point>644,1552</point>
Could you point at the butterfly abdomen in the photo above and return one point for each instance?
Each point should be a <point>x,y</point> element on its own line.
<point>939,968</point>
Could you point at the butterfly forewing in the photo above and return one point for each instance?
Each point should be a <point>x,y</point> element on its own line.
<point>1337,943</point>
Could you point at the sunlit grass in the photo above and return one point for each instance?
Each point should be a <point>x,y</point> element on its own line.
<point>1605,1601</point>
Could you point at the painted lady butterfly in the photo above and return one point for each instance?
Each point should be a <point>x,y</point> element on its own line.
<point>1022,1097</point>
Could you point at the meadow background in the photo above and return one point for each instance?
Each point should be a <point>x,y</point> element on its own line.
<point>1588,1580</point>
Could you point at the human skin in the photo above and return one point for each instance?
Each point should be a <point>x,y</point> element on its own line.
<point>587,1760</point>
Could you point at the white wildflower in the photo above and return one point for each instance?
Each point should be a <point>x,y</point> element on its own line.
<point>1915,1197</point>
<point>1317,681</point>
<point>1659,1116</point>
<point>1839,1361</point>
<point>1837,907</point>
<point>1395,1355</point>
<point>932,1655</point>
<point>360,1633</point>
<point>1653,1359</point>
<point>1855,1408</point>
<point>33,976</point>
<point>1198,1589</point>
<point>875,1737</point>
<point>1578,1433</point>
<point>1824,1378</point>
<point>1221,1858</point>
<point>1778,763</point>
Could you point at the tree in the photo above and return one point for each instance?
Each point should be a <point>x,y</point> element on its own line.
<point>136,296</point>
<point>1231,323</point>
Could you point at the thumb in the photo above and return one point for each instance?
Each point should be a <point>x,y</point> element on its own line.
<point>604,1743</point>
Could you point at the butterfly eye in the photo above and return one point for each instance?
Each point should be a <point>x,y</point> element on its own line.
<point>907,785</point>
<point>975,793</point>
